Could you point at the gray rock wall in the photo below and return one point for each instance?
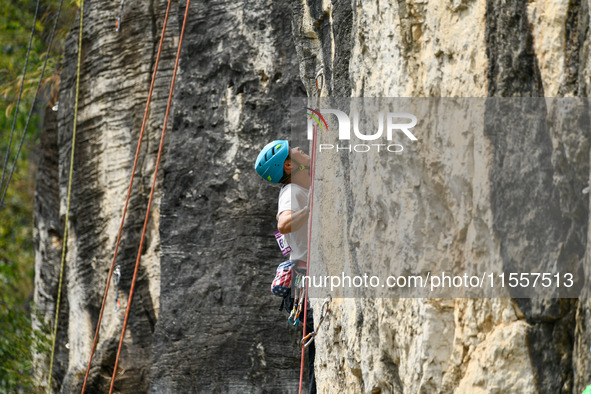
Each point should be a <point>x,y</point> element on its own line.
<point>202,318</point>
<point>503,200</point>
<point>115,77</point>
<point>217,221</point>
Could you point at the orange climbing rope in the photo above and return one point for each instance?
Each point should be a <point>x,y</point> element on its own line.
<point>137,262</point>
<point>137,154</point>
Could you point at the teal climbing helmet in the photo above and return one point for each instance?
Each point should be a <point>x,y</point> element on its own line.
<point>270,161</point>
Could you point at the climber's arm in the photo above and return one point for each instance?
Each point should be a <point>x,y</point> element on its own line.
<point>292,220</point>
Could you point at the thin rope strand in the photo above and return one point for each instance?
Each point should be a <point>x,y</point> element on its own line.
<point>312,176</point>
<point>32,105</point>
<point>20,93</point>
<point>65,239</point>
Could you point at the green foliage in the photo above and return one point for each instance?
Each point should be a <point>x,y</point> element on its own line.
<point>18,341</point>
<point>16,273</point>
<point>16,348</point>
<point>15,25</point>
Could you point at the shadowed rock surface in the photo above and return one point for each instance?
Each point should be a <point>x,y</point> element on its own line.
<point>217,218</point>
<point>218,253</point>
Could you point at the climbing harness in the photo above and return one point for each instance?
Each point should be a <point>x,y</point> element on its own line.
<point>118,23</point>
<point>325,310</point>
<point>135,163</point>
<point>32,109</point>
<point>69,197</point>
<point>160,148</point>
<point>116,279</point>
<point>319,81</point>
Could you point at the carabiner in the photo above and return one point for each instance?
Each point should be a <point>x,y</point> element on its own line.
<point>308,339</point>
<point>117,275</point>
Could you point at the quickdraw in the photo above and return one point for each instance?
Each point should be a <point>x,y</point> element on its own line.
<point>319,82</point>
<point>325,310</point>
<point>116,279</point>
<point>298,303</point>
<point>118,23</point>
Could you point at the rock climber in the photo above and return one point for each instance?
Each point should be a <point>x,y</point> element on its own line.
<point>290,167</point>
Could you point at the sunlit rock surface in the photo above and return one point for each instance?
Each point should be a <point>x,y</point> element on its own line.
<point>203,319</point>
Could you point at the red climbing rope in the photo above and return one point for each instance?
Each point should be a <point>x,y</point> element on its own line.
<point>137,154</point>
<point>312,176</point>
<point>137,262</point>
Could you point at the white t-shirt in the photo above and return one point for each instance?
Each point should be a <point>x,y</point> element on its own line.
<point>295,198</point>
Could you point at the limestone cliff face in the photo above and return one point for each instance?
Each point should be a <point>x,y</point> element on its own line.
<point>475,193</point>
<point>217,314</point>
<point>115,73</point>
<point>202,317</point>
